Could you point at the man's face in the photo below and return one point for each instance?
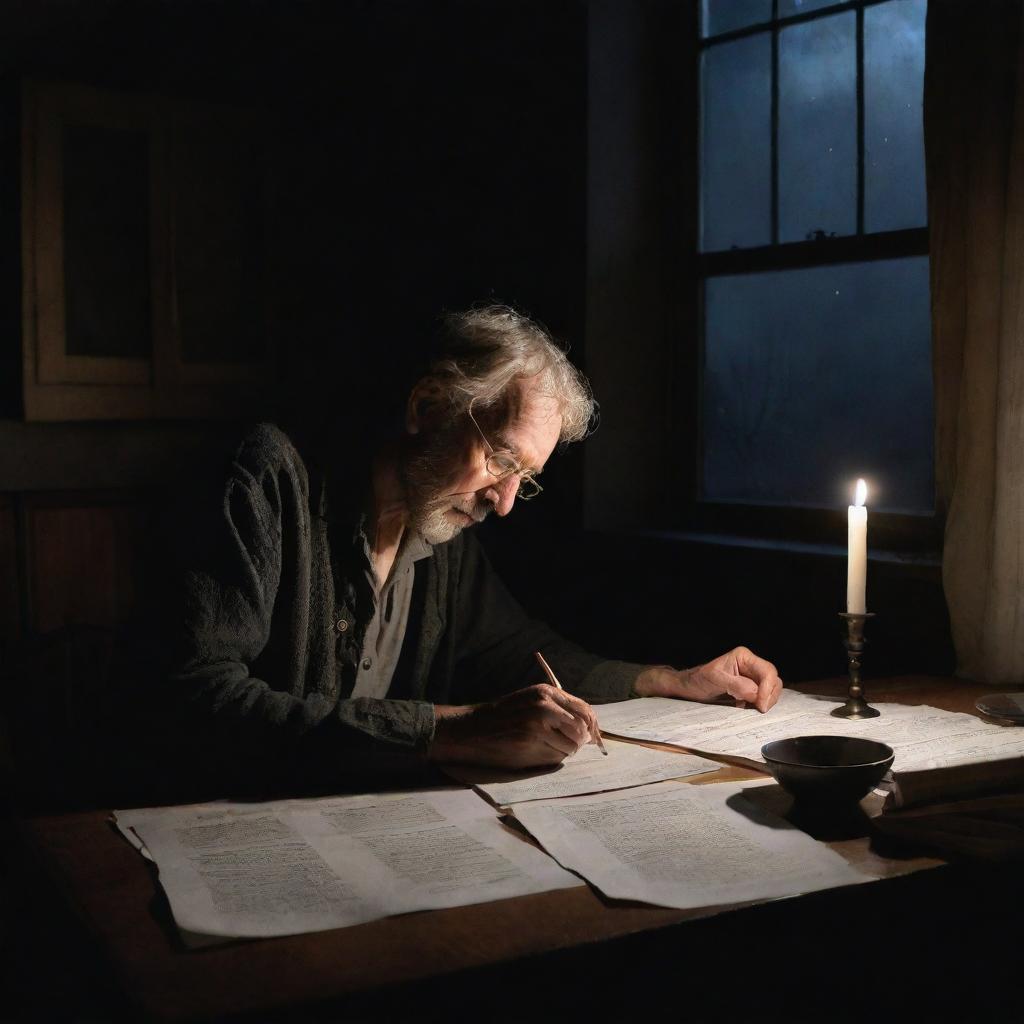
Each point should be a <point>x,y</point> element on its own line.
<point>447,481</point>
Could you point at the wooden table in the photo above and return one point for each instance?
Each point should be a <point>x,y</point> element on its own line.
<point>552,955</point>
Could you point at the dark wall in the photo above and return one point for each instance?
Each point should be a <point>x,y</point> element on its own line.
<point>665,599</point>
<point>427,156</point>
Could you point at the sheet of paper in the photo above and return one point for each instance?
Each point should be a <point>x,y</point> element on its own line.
<point>684,846</point>
<point>248,870</point>
<point>587,771</point>
<point>922,736</point>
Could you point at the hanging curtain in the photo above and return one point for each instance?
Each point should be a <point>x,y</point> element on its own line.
<point>974,137</point>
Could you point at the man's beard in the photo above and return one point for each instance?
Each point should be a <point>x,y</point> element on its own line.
<point>428,473</point>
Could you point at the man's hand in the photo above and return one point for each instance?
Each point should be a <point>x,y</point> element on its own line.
<point>532,728</point>
<point>740,674</point>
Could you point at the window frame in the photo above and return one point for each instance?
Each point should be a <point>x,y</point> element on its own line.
<point>919,533</point>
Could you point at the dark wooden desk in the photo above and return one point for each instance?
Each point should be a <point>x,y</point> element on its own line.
<point>549,955</point>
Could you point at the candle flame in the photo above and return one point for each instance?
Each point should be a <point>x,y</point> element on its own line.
<point>861,494</point>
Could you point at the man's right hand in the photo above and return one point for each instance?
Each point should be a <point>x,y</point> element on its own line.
<point>532,728</point>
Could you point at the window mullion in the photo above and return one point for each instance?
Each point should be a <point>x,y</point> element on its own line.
<point>794,255</point>
<point>775,127</point>
<point>860,120</point>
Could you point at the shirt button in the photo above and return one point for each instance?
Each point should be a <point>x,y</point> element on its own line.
<point>367,664</point>
<point>342,625</point>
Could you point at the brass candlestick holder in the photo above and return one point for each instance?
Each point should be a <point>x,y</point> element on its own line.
<point>856,707</point>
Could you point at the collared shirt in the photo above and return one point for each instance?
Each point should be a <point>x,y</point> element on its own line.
<point>382,642</point>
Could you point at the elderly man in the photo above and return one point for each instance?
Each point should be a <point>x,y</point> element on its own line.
<point>342,626</point>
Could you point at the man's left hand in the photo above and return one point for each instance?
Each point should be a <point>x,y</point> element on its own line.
<point>739,674</point>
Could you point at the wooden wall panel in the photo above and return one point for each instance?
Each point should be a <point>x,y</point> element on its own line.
<point>81,560</point>
<point>79,553</point>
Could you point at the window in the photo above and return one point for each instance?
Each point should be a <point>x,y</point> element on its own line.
<point>813,259</point>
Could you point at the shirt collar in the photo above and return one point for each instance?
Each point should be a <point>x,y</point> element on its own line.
<point>415,547</point>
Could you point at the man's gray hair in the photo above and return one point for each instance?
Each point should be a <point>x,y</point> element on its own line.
<point>487,350</point>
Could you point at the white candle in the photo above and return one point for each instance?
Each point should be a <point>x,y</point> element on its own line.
<point>857,552</point>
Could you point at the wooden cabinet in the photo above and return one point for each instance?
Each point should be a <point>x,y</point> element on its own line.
<point>147,285</point>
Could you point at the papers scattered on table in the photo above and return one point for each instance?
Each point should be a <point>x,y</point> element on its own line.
<point>588,771</point>
<point>250,870</point>
<point>923,737</point>
<point>684,846</point>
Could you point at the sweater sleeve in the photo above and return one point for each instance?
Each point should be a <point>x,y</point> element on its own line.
<point>247,610</point>
<point>498,640</point>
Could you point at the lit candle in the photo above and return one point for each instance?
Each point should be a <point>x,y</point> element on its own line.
<point>857,552</point>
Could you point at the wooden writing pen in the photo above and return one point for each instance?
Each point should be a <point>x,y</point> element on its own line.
<point>553,680</point>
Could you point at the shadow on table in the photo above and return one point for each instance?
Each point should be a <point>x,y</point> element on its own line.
<point>771,805</point>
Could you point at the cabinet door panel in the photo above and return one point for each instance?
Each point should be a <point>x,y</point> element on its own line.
<point>107,306</point>
<point>90,235</point>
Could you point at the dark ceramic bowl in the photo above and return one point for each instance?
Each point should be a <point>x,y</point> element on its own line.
<point>827,770</point>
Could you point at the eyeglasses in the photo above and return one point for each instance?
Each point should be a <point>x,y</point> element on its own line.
<point>502,464</point>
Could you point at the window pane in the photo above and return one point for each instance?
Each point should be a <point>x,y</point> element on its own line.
<point>818,129</point>
<point>736,144</point>
<point>815,377</point>
<point>106,242</point>
<point>719,16</point>
<point>787,8</point>
<point>894,195</point>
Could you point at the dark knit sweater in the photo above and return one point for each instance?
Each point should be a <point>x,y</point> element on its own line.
<point>273,623</point>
